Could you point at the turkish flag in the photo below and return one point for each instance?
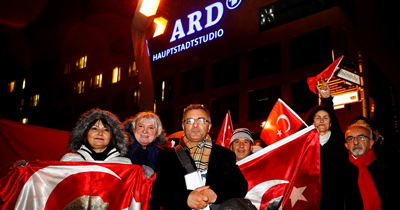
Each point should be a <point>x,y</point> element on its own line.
<point>286,174</point>
<point>225,134</point>
<point>69,185</point>
<point>327,73</point>
<point>282,122</point>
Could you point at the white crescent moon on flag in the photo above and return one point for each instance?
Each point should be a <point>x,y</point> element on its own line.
<point>47,180</point>
<point>282,116</point>
<point>256,193</point>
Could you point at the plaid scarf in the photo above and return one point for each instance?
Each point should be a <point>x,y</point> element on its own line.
<point>367,187</point>
<point>200,152</point>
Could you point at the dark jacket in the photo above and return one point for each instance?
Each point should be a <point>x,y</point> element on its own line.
<point>387,183</point>
<point>77,135</point>
<point>141,156</point>
<point>223,177</point>
<point>333,156</point>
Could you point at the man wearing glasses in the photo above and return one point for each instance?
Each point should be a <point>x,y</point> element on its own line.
<point>217,175</point>
<point>370,184</point>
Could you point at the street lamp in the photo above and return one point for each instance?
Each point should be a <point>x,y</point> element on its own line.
<point>142,27</point>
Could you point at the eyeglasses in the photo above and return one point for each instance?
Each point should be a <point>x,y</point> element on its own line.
<point>359,138</point>
<point>200,120</point>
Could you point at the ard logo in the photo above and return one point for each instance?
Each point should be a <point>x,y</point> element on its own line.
<point>233,4</point>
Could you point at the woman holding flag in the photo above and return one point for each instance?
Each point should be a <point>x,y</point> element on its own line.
<point>98,136</point>
<point>332,150</point>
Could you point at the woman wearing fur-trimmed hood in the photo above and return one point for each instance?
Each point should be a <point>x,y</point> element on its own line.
<point>98,136</point>
<point>145,133</point>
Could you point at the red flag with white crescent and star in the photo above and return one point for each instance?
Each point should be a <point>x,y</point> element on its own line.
<point>225,134</point>
<point>281,122</point>
<point>76,185</point>
<point>286,174</point>
<point>327,73</point>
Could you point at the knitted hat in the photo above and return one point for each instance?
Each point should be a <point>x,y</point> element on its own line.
<point>241,132</point>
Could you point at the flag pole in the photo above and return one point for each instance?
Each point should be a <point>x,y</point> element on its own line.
<point>226,121</point>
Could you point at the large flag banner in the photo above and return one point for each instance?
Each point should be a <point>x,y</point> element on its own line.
<point>225,134</point>
<point>327,73</point>
<point>29,142</point>
<point>285,175</point>
<point>281,123</point>
<point>76,185</point>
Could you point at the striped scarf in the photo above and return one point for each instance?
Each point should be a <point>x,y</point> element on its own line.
<point>200,153</point>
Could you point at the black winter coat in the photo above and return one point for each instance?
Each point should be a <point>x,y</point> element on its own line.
<point>223,177</point>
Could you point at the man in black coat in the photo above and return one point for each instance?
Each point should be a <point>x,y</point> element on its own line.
<point>370,183</point>
<point>220,179</point>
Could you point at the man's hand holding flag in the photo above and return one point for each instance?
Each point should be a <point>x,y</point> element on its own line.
<point>326,74</point>
<point>286,170</point>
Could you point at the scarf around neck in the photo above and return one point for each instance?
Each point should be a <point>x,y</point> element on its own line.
<point>200,153</point>
<point>369,194</point>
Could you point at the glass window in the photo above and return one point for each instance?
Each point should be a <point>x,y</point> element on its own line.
<point>225,72</point>
<point>302,98</point>
<point>67,68</point>
<point>79,87</point>
<point>81,63</point>
<point>116,75</point>
<point>34,100</point>
<point>96,80</point>
<point>135,98</point>
<point>192,81</point>
<point>24,120</point>
<point>262,101</point>
<point>285,11</point>
<point>220,106</point>
<point>11,87</point>
<point>310,48</point>
<point>265,60</point>
<point>164,89</point>
<point>118,103</point>
<point>167,117</point>
<point>22,104</point>
<point>132,71</point>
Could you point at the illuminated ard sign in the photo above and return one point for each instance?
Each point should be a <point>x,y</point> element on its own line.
<point>213,14</point>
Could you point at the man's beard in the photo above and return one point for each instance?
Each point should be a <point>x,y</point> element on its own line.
<point>357,150</point>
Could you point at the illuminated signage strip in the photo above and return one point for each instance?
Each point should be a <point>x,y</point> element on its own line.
<point>346,98</point>
<point>350,76</point>
<point>214,14</point>
<point>192,43</point>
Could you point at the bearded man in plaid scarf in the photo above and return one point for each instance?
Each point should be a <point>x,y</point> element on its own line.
<point>218,177</point>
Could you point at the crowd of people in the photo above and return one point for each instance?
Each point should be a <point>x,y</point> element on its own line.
<point>359,170</point>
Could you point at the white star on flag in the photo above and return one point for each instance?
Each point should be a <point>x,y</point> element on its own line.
<point>297,194</point>
<point>279,133</point>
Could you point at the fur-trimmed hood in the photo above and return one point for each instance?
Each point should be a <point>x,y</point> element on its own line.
<point>129,130</point>
<point>77,134</point>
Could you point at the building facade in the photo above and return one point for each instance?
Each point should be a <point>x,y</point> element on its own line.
<point>231,55</point>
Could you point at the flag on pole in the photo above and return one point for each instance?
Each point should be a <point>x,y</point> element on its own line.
<point>327,73</point>
<point>281,122</point>
<point>225,134</point>
<point>285,175</point>
<point>76,185</point>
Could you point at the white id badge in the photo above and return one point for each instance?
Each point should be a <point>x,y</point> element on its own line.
<point>193,180</point>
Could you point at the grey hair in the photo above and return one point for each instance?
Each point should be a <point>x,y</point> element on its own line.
<point>364,126</point>
<point>148,116</point>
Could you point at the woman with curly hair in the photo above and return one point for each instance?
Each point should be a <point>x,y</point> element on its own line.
<point>98,136</point>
